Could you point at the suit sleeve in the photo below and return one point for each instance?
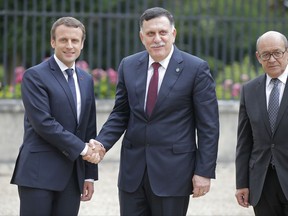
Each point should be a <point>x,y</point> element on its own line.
<point>244,145</point>
<point>119,117</point>
<point>37,100</point>
<point>207,122</point>
<point>91,170</point>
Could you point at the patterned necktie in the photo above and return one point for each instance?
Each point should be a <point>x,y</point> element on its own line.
<point>273,104</point>
<point>71,83</point>
<point>152,90</point>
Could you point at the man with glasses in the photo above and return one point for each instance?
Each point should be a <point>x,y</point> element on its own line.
<point>262,142</point>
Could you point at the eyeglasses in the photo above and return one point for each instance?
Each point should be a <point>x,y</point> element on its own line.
<point>276,54</point>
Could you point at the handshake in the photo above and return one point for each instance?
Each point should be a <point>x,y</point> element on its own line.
<point>95,153</point>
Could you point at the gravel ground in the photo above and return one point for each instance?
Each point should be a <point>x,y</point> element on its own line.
<point>220,201</point>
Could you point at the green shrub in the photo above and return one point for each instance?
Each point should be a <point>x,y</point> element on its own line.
<point>230,79</point>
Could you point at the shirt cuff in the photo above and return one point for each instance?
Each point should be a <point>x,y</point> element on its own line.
<point>84,150</point>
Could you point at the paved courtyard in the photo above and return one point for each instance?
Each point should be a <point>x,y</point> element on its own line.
<point>220,201</point>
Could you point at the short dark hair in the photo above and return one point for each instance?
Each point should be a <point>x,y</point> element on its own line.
<point>154,12</point>
<point>69,22</point>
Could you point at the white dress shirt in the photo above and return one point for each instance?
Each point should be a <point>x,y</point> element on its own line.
<point>282,83</point>
<point>63,67</point>
<point>162,70</point>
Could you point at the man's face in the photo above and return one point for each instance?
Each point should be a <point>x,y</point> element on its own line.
<point>158,36</point>
<point>67,44</point>
<point>274,67</point>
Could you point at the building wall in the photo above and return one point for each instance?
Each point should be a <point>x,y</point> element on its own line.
<point>11,128</point>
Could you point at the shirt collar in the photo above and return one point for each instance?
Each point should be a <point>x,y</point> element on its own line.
<point>61,65</point>
<point>282,77</point>
<point>164,63</point>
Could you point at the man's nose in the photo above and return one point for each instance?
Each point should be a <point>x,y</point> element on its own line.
<point>69,44</point>
<point>157,37</point>
<point>272,58</point>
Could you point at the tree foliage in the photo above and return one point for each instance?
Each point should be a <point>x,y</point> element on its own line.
<point>223,32</point>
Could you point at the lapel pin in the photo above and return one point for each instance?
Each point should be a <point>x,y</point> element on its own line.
<point>177,70</point>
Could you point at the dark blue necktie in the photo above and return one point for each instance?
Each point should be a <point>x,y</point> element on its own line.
<point>71,83</point>
<point>273,104</point>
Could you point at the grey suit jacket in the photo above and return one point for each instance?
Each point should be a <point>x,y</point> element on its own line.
<point>256,143</point>
<point>165,144</point>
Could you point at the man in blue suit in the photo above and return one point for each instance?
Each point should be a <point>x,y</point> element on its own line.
<point>50,172</point>
<point>169,149</point>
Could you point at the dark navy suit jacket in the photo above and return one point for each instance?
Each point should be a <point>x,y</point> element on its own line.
<point>53,139</point>
<point>165,144</point>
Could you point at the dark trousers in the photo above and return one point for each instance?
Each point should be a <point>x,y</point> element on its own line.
<point>39,202</point>
<point>272,201</point>
<point>143,202</point>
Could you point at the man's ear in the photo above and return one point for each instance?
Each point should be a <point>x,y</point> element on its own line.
<point>52,42</point>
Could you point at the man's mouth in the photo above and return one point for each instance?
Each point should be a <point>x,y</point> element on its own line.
<point>158,45</point>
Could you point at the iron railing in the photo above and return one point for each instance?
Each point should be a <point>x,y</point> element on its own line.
<point>223,32</point>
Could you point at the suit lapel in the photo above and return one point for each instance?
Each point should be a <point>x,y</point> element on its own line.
<point>283,106</point>
<point>57,73</point>
<point>83,93</point>
<point>141,78</point>
<point>261,90</point>
<point>172,73</point>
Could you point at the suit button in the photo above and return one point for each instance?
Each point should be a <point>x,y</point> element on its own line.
<point>65,153</point>
<point>273,145</point>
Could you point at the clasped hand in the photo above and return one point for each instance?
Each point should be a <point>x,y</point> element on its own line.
<point>95,153</point>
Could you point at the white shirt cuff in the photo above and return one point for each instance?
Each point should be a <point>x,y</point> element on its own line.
<point>84,150</point>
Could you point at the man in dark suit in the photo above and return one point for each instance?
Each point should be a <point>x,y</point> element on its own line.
<point>162,162</point>
<point>261,154</point>
<point>50,172</point>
